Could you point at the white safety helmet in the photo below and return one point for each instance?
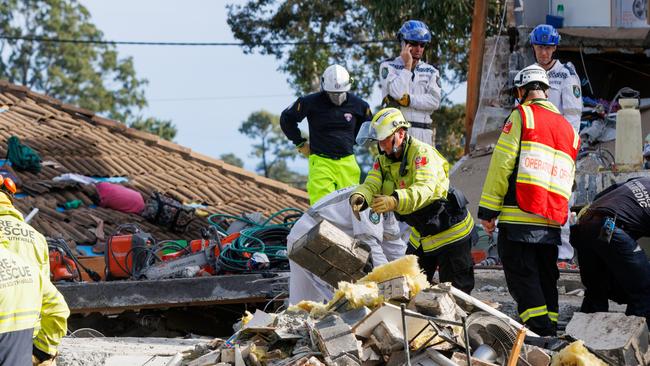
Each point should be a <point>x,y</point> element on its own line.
<point>531,74</point>
<point>335,79</point>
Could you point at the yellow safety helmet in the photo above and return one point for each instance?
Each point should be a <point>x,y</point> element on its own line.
<point>383,125</point>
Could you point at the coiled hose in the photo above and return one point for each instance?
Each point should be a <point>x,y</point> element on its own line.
<point>267,238</point>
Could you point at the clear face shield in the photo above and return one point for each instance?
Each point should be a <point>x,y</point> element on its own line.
<point>367,135</point>
<point>337,98</point>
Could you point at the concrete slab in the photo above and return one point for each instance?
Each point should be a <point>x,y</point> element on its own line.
<point>121,351</point>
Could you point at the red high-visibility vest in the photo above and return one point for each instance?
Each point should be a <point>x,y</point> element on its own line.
<point>549,146</point>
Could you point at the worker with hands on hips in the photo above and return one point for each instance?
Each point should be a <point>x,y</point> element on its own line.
<point>410,178</point>
<point>410,84</point>
<point>334,116</point>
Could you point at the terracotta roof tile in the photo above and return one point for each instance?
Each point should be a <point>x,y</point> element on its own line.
<point>84,143</point>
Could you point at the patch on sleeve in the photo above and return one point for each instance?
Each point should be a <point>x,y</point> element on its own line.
<point>420,161</point>
<point>375,166</point>
<point>384,72</point>
<point>576,91</point>
<point>507,127</point>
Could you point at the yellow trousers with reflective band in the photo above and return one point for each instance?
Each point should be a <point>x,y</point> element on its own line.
<point>327,175</point>
<point>455,233</point>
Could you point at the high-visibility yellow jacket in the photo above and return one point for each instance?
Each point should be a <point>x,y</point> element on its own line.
<point>31,246</point>
<point>420,182</point>
<point>499,196</point>
<point>26,297</point>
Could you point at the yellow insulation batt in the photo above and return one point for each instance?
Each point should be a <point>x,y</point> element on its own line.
<point>406,266</point>
<point>576,354</point>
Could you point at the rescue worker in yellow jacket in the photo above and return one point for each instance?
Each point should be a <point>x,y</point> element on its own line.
<point>411,178</point>
<point>22,239</point>
<point>25,297</point>
<point>527,189</point>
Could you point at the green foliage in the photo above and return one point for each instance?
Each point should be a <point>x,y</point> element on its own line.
<point>163,128</point>
<point>271,147</point>
<point>450,127</point>
<point>261,24</point>
<point>89,75</point>
<point>232,159</point>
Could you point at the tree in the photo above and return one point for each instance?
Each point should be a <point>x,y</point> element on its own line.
<point>450,131</point>
<point>163,128</point>
<point>272,147</point>
<point>309,35</point>
<point>89,75</point>
<point>232,159</point>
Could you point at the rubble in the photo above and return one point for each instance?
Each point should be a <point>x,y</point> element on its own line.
<point>372,322</point>
<point>617,337</point>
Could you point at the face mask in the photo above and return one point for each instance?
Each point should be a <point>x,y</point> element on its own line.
<point>337,98</point>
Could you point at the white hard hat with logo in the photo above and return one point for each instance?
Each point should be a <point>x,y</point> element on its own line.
<point>531,74</point>
<point>335,79</point>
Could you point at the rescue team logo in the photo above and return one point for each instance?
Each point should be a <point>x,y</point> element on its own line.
<point>384,73</point>
<point>402,185</point>
<point>348,117</point>
<point>507,127</point>
<point>374,217</point>
<point>420,161</point>
<point>13,274</point>
<point>375,166</point>
<point>576,91</point>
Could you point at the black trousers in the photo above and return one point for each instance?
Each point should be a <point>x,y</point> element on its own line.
<point>618,270</point>
<point>531,274</point>
<point>454,263</point>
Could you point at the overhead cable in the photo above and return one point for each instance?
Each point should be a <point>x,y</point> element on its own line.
<point>184,44</point>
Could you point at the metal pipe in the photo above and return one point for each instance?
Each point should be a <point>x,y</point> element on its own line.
<point>31,215</point>
<point>406,338</point>
<point>485,307</point>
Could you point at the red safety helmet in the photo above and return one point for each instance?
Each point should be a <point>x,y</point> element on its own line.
<point>8,185</point>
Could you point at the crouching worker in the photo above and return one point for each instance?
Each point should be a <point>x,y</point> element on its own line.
<point>380,232</point>
<point>26,296</point>
<point>612,264</point>
<point>25,242</point>
<point>411,179</point>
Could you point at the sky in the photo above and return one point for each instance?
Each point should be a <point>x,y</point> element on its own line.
<point>206,91</point>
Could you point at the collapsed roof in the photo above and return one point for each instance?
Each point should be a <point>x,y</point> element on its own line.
<point>70,139</point>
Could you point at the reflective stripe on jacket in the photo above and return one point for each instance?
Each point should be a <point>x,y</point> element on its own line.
<point>421,189</point>
<point>31,246</point>
<point>499,196</point>
<point>549,147</point>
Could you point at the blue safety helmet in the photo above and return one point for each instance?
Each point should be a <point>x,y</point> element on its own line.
<point>414,30</point>
<point>545,35</point>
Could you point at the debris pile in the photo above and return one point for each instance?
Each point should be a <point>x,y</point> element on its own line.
<point>393,317</point>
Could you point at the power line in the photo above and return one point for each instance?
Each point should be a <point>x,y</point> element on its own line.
<point>184,44</point>
<point>191,99</point>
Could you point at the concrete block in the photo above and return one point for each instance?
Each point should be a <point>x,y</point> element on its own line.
<point>326,247</point>
<point>207,359</point>
<point>336,340</point>
<point>348,261</point>
<point>623,339</point>
<point>537,357</point>
<point>388,339</point>
<point>395,289</point>
<point>371,358</point>
<point>352,317</point>
<point>334,276</point>
<point>307,259</point>
<point>228,355</point>
<point>435,302</point>
<point>325,235</point>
